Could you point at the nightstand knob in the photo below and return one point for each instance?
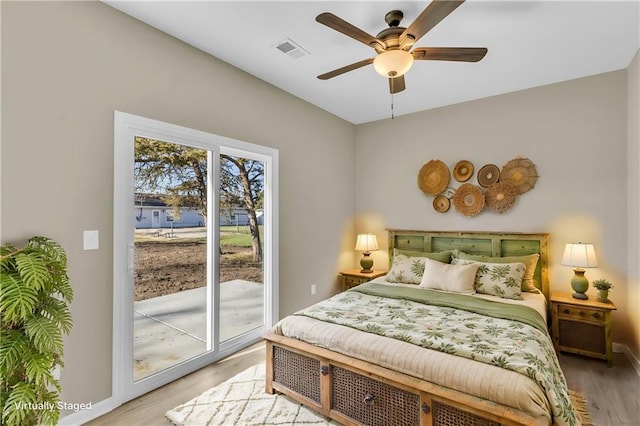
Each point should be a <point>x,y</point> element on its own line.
<point>581,313</point>
<point>368,399</point>
<point>596,315</point>
<point>566,311</point>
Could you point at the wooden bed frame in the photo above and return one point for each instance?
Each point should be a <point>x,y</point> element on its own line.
<point>355,392</point>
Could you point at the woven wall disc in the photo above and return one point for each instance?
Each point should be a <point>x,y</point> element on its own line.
<point>441,203</point>
<point>463,171</point>
<point>433,177</point>
<point>488,175</point>
<point>521,173</point>
<point>468,200</point>
<point>500,196</point>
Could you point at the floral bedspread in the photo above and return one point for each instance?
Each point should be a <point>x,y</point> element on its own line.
<point>459,325</point>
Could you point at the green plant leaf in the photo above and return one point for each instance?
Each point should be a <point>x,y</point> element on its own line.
<point>50,417</point>
<point>57,311</point>
<point>33,270</point>
<point>44,334</point>
<point>15,410</point>
<point>62,286</point>
<point>52,251</point>
<point>13,347</point>
<point>16,301</point>
<point>39,370</point>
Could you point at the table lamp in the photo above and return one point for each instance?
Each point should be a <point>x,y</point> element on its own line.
<point>579,256</point>
<point>366,243</point>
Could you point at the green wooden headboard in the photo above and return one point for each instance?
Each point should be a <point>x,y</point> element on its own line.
<point>484,243</point>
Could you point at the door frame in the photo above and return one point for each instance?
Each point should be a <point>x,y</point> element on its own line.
<point>126,127</point>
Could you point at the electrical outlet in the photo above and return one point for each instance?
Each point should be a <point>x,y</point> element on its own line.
<point>313,289</point>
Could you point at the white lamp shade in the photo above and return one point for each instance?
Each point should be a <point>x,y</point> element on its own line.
<point>579,255</point>
<point>393,63</point>
<point>366,242</point>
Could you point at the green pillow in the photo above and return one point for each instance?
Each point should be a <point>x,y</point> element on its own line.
<point>440,256</point>
<point>530,261</point>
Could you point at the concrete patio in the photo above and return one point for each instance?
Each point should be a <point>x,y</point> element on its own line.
<point>170,329</point>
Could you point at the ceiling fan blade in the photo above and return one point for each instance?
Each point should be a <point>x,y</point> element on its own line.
<point>396,84</point>
<point>342,26</point>
<point>462,54</point>
<point>429,18</point>
<point>345,69</point>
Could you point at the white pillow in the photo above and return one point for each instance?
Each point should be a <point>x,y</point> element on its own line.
<point>447,277</point>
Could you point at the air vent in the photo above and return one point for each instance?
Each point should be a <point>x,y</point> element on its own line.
<point>291,49</point>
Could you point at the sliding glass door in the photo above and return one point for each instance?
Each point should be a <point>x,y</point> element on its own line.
<point>194,250</point>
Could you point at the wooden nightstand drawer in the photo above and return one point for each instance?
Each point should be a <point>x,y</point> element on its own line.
<point>580,313</point>
<point>354,277</point>
<point>353,281</point>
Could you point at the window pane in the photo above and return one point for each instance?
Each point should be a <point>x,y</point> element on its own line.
<point>170,303</point>
<point>241,245</point>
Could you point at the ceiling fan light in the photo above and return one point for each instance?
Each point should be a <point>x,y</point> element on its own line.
<point>393,63</point>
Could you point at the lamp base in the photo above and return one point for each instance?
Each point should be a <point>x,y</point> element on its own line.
<point>366,263</point>
<point>579,284</point>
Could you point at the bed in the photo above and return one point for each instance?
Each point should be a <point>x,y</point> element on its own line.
<point>400,352</point>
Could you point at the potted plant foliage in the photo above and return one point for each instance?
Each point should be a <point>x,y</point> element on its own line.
<point>603,287</point>
<point>34,306</point>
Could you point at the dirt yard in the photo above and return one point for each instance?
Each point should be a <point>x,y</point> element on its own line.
<point>166,268</point>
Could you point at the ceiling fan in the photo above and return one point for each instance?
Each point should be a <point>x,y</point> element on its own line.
<point>394,45</point>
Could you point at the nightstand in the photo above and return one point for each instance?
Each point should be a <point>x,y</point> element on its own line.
<point>582,326</point>
<point>354,277</point>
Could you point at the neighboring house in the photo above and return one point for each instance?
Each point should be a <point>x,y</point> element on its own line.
<point>151,212</point>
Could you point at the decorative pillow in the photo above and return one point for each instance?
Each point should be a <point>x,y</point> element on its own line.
<point>408,266</point>
<point>448,277</point>
<point>405,269</point>
<point>530,261</point>
<point>497,279</point>
<point>440,256</point>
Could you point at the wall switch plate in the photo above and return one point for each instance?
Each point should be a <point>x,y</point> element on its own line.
<point>313,289</point>
<point>91,240</point>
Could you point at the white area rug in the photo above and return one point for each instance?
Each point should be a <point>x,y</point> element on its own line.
<point>242,400</point>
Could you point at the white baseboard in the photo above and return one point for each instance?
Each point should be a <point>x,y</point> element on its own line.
<point>81,417</point>
<point>619,347</point>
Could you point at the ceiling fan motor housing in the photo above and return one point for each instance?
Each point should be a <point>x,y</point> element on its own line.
<point>393,18</point>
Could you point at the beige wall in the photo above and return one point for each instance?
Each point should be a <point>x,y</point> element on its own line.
<point>66,66</point>
<point>633,197</point>
<point>576,134</point>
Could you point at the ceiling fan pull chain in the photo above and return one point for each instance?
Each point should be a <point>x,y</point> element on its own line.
<point>392,117</point>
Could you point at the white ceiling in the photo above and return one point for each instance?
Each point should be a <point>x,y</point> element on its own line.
<point>531,43</point>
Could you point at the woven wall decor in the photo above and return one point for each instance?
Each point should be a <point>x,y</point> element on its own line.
<point>433,177</point>
<point>500,196</point>
<point>441,203</point>
<point>468,200</point>
<point>521,173</point>
<point>488,175</point>
<point>463,171</point>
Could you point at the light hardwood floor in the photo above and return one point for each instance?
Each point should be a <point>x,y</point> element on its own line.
<point>613,394</point>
